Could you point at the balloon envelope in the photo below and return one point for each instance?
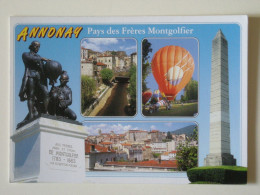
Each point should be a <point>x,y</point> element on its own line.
<point>172,68</point>
<point>146,96</point>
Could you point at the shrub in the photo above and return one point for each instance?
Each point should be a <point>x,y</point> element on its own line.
<point>218,174</point>
<point>88,90</point>
<point>106,75</point>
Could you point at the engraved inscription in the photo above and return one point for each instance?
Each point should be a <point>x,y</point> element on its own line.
<point>63,156</point>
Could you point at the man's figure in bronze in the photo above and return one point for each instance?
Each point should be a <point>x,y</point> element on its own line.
<point>61,99</point>
<point>34,85</point>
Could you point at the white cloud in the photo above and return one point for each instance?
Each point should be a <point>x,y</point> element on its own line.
<point>153,127</point>
<point>103,41</point>
<point>91,46</point>
<point>107,128</point>
<point>168,124</point>
<point>131,48</point>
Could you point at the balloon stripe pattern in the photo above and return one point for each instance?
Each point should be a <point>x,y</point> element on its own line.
<point>172,68</point>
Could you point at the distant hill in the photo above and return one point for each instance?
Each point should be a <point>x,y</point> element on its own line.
<point>185,130</point>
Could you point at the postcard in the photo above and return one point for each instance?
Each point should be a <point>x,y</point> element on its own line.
<point>129,99</point>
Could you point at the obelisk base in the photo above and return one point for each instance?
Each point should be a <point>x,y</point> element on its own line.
<point>219,160</point>
<point>47,150</point>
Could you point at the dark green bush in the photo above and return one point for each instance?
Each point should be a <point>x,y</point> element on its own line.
<point>220,174</point>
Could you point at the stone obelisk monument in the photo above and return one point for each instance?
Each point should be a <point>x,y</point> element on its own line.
<point>219,105</point>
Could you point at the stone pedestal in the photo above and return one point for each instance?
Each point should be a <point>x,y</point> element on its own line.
<point>219,160</point>
<point>48,150</point>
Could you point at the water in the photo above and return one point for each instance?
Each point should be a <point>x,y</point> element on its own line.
<point>117,102</point>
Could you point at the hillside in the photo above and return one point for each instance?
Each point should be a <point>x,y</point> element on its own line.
<point>185,130</point>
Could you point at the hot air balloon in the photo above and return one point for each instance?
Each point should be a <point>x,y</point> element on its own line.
<point>146,96</point>
<point>172,68</point>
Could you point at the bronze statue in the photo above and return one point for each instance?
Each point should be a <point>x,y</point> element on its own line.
<point>34,86</point>
<point>61,98</point>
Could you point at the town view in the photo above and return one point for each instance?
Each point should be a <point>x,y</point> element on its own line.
<point>108,77</point>
<point>128,147</point>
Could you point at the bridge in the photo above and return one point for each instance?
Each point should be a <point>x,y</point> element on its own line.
<point>121,79</point>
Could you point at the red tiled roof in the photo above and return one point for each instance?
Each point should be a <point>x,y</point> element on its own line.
<point>100,64</point>
<point>105,143</point>
<point>126,144</point>
<point>151,163</point>
<point>130,131</point>
<point>173,152</point>
<point>98,148</point>
<point>155,131</point>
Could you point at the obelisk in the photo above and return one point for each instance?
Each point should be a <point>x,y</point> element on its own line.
<point>219,105</point>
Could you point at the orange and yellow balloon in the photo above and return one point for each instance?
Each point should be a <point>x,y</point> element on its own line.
<point>172,68</point>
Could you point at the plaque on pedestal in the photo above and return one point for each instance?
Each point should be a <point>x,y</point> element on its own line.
<point>48,150</point>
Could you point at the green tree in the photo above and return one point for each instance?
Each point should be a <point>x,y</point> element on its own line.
<point>191,90</point>
<point>182,98</point>
<point>106,75</point>
<point>132,86</point>
<point>187,156</point>
<point>146,68</point>
<point>88,90</point>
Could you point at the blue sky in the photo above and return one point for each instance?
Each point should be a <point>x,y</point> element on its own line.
<point>110,44</point>
<point>67,52</point>
<point>122,127</point>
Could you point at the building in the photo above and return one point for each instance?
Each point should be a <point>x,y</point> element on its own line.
<point>171,146</point>
<point>87,67</point>
<point>97,154</point>
<point>147,153</point>
<point>156,136</point>
<point>136,135</point>
<point>108,60</point>
<point>169,155</point>
<point>134,59</point>
<point>159,147</point>
<point>135,154</point>
<point>83,54</point>
<point>219,105</point>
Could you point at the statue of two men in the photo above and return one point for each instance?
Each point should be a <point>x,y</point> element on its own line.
<point>34,87</point>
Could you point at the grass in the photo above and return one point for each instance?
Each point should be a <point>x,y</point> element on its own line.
<point>234,168</point>
<point>188,109</point>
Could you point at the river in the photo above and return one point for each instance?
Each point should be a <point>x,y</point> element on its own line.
<point>116,104</point>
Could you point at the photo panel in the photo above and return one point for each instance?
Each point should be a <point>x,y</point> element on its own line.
<point>108,77</point>
<point>170,68</point>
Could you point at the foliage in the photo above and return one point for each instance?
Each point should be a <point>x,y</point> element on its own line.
<point>156,155</point>
<point>106,75</point>
<point>146,68</point>
<point>194,136</point>
<point>132,86</point>
<point>219,174</point>
<point>88,90</point>
<point>191,90</point>
<point>187,156</point>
